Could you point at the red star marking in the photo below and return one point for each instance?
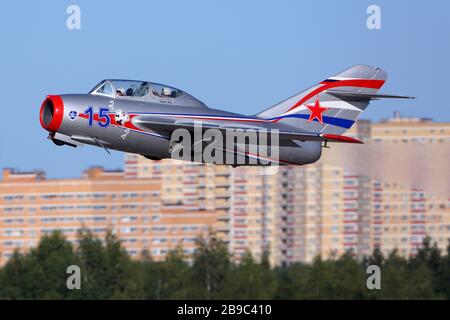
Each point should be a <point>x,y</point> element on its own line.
<point>316,111</point>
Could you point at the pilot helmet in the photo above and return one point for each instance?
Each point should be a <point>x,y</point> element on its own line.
<point>167,92</point>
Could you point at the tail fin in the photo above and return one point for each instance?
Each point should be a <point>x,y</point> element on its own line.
<point>333,105</point>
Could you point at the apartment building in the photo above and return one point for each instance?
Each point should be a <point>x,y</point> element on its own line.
<point>295,214</point>
<point>32,206</point>
<point>400,129</point>
<point>402,215</point>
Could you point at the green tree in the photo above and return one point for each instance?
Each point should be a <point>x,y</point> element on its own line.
<point>151,276</point>
<point>122,276</point>
<point>444,279</point>
<point>251,280</point>
<point>376,258</point>
<point>94,266</point>
<point>349,278</point>
<point>42,272</point>
<point>316,281</point>
<point>13,283</point>
<point>108,272</point>
<point>400,280</point>
<point>211,268</point>
<point>430,256</point>
<point>174,277</point>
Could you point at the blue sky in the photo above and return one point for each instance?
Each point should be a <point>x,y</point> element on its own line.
<point>238,55</point>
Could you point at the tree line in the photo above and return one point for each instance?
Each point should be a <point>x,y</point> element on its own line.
<point>108,272</point>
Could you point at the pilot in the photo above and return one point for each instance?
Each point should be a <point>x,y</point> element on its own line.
<point>120,92</point>
<point>144,88</point>
<point>167,92</point>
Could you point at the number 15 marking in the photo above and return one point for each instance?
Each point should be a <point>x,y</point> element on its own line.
<point>103,119</point>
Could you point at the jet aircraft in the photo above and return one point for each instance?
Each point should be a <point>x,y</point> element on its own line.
<point>141,117</point>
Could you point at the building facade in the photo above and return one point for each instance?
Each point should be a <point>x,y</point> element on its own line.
<point>295,214</point>
<point>32,206</point>
<point>401,215</point>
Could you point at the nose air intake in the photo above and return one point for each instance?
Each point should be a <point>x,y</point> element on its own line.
<point>51,113</point>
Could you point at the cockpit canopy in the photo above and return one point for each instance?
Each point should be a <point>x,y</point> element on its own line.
<point>144,91</point>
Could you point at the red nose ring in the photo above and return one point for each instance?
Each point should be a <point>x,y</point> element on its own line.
<point>51,113</point>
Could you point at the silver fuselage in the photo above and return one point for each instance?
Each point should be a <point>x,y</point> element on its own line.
<point>152,143</point>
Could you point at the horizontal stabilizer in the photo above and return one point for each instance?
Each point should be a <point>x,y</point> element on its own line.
<point>358,96</point>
